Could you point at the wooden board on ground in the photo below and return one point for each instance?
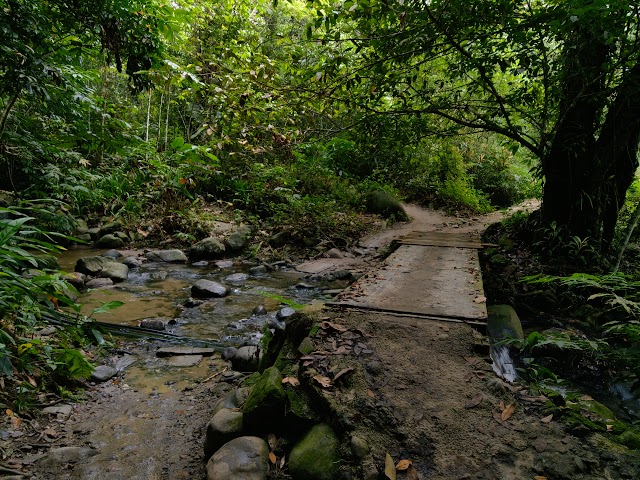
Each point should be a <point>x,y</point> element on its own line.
<point>442,239</point>
<point>426,281</point>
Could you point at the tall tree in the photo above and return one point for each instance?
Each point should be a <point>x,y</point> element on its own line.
<point>558,77</point>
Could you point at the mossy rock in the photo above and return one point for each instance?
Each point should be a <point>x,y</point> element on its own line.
<point>630,439</point>
<point>503,322</point>
<point>385,205</point>
<point>270,346</point>
<point>316,456</point>
<point>301,405</point>
<point>267,403</point>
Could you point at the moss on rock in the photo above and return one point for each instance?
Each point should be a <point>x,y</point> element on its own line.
<point>316,456</point>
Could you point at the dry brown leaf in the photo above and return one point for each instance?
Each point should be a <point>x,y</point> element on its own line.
<point>389,468</point>
<point>539,477</point>
<point>334,326</point>
<point>370,394</point>
<point>32,382</point>
<point>50,432</point>
<point>475,401</point>
<point>508,412</point>
<point>293,381</point>
<point>342,372</point>
<point>272,440</point>
<point>272,458</point>
<point>586,398</point>
<point>325,382</point>
<point>547,419</point>
<point>403,465</point>
<point>480,299</point>
<point>16,422</point>
<point>9,412</point>
<point>501,406</point>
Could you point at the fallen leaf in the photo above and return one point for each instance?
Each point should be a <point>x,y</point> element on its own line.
<point>272,458</point>
<point>370,394</point>
<point>547,419</point>
<point>323,381</point>
<point>342,350</point>
<point>403,465</point>
<point>538,477</point>
<point>586,398</point>
<point>335,326</point>
<point>50,432</point>
<point>541,398</point>
<point>293,381</point>
<point>501,406</point>
<point>16,422</point>
<point>508,412</point>
<point>480,299</point>
<point>272,440</point>
<point>282,462</point>
<point>342,372</point>
<point>475,401</point>
<point>9,412</point>
<point>32,382</point>
<point>389,468</point>
<point>609,428</point>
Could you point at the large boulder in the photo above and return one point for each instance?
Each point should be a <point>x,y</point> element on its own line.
<point>109,227</point>
<point>316,456</point>
<point>244,458</point>
<point>239,239</point>
<point>266,405</point>
<point>381,203</point>
<point>209,248</point>
<point>168,256</point>
<point>224,426</point>
<point>208,289</point>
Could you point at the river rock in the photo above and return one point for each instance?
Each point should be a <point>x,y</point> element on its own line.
<point>383,204</point>
<point>234,399</point>
<point>99,283</point>
<point>224,264</point>
<point>76,279</point>
<point>224,426</point>
<point>359,447</point>
<point>191,303</point>
<point>279,239</point>
<point>84,237</point>
<point>81,227</point>
<point>109,227</point>
<point>58,457</point>
<point>158,323</point>
<point>168,256</point>
<point>94,233</point>
<point>503,322</point>
<point>208,289</point>
<point>185,360</point>
<point>239,239</point>
<point>201,263</point>
<point>265,406</point>
<point>110,241</point>
<point>316,456</point>
<point>113,253</point>
<point>237,278</point>
<point>334,253</point>
<point>102,373</point>
<point>92,265</point>
<point>259,311</point>
<point>285,312</point>
<point>244,458</point>
<point>209,248</point>
<point>258,270</point>
<point>122,236</point>
<point>118,272</point>
<point>132,262</point>
<point>63,410</point>
<point>246,359</point>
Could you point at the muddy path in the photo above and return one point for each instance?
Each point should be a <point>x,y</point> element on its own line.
<point>424,392</point>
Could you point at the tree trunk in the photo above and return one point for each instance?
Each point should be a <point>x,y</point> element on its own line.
<point>572,186</point>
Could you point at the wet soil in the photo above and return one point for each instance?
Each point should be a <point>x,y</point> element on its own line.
<point>420,390</point>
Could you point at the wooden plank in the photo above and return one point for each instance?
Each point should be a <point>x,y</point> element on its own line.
<point>423,280</point>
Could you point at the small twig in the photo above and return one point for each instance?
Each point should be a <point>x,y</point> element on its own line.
<point>10,471</point>
<point>215,375</point>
